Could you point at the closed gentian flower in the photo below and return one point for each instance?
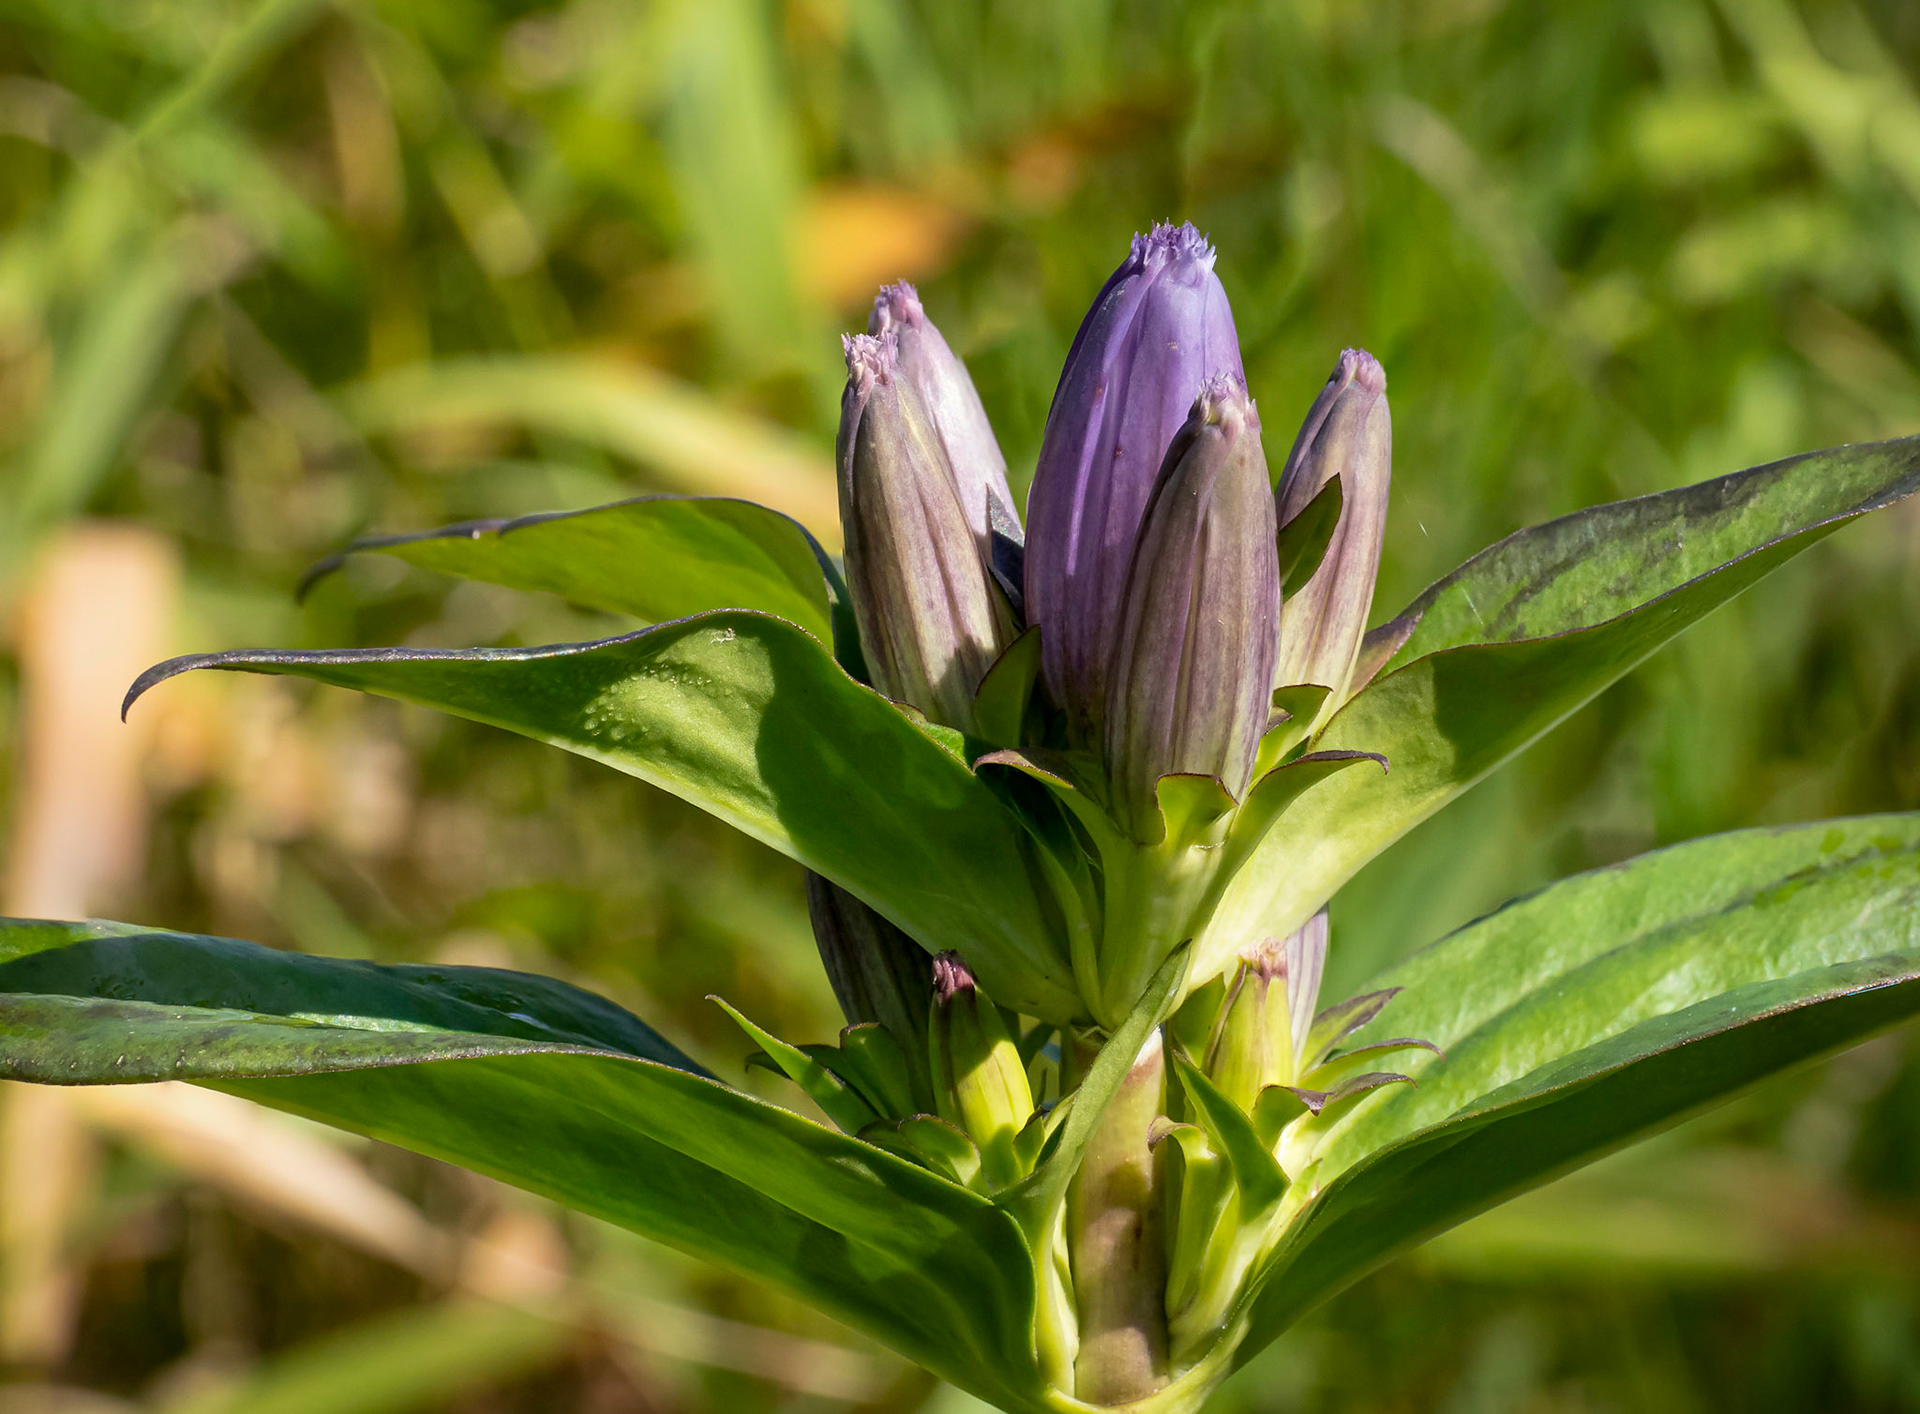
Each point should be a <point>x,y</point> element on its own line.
<point>929,366</point>
<point>1159,329</point>
<point>1348,434</point>
<point>1192,670</point>
<point>931,620</point>
<point>979,1082</point>
<point>878,974</point>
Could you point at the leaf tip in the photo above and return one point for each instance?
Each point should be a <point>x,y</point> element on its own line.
<point>158,674</point>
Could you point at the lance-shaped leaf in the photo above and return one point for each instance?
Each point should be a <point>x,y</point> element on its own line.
<point>1600,1008</point>
<point>1597,563</point>
<point>1658,565</point>
<point>748,718</point>
<point>657,558</point>
<point>553,1090</point>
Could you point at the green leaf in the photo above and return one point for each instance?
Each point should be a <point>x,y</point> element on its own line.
<point>1596,1010</point>
<point>1611,585</point>
<point>870,1060</point>
<point>1302,541</point>
<point>553,1090</point>
<point>932,1141</point>
<point>1596,564</point>
<point>1297,706</point>
<point>656,558</point>
<point>1255,1172</point>
<point>1000,702</point>
<point>420,1005</point>
<point>747,717</point>
<point>1335,1023</point>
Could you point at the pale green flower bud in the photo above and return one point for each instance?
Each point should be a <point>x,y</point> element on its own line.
<point>1259,1036</point>
<point>979,1083</point>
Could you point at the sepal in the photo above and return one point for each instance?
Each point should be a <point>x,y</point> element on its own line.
<point>838,1100</point>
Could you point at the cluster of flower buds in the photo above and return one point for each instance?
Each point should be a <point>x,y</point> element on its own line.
<point>1151,568</point>
<point>927,1065</point>
<point>1257,1104</point>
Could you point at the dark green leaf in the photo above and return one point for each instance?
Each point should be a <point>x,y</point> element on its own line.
<point>1600,1008</point>
<point>1302,541</point>
<point>542,1086</point>
<point>1000,703</point>
<point>657,558</point>
<point>747,717</point>
<point>1659,565</point>
<point>1596,564</point>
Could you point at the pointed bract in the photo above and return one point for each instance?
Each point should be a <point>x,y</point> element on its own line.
<point>1192,668</point>
<point>931,621</point>
<point>1348,434</point>
<point>931,368</point>
<point>1158,331</point>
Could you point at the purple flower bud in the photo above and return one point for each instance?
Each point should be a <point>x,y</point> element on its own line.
<point>1348,434</point>
<point>1159,329</point>
<point>931,622</point>
<point>877,972</point>
<point>947,393</point>
<point>1192,671</point>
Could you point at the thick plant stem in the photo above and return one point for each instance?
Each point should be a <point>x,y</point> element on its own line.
<point>1118,1255</point>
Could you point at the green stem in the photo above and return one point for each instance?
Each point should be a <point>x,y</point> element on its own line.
<point>1118,1253</point>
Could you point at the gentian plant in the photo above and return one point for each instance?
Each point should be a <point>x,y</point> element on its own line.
<point>1073,800</point>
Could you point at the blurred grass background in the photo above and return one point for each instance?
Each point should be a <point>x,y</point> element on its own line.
<point>274,272</point>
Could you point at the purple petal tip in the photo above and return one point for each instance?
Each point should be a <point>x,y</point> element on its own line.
<point>1266,959</point>
<point>896,304</point>
<point>950,976</point>
<point>1170,242</point>
<point>871,358</point>
<point>1223,396</point>
<point>1359,366</point>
